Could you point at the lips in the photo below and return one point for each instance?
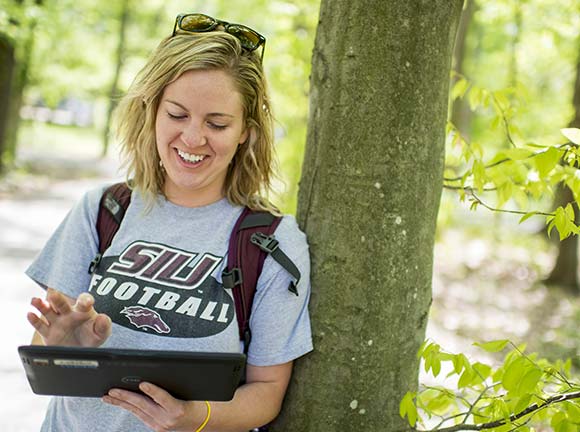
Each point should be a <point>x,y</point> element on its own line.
<point>190,160</point>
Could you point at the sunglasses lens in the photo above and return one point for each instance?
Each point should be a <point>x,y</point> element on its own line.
<point>196,22</point>
<point>249,38</point>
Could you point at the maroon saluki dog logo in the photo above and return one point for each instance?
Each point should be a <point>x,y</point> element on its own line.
<point>142,317</point>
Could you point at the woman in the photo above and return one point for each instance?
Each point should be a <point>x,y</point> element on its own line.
<point>196,133</point>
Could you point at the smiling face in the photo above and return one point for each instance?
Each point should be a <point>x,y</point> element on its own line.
<point>198,128</point>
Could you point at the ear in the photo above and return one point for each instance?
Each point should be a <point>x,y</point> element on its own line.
<point>248,135</point>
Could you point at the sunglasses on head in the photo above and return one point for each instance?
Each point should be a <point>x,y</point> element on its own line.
<point>250,39</point>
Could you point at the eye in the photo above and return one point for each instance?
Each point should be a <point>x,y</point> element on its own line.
<point>216,126</point>
<point>176,116</point>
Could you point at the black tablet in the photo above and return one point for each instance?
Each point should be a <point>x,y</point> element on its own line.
<point>92,372</point>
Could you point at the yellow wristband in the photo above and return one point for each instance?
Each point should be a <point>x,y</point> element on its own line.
<point>200,428</point>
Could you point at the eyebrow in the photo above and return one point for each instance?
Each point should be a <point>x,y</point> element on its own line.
<point>216,114</point>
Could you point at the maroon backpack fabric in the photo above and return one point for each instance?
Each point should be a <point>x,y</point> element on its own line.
<point>250,242</point>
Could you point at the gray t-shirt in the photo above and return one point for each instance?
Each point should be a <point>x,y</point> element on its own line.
<point>160,282</point>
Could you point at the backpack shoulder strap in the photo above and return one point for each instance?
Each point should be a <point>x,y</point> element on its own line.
<point>112,207</point>
<point>250,243</point>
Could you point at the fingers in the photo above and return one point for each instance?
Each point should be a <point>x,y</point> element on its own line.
<point>84,303</point>
<point>59,302</point>
<point>102,327</point>
<point>43,307</point>
<point>161,397</point>
<point>135,406</point>
<point>39,324</point>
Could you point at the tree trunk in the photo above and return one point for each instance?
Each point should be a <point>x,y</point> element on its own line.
<point>14,78</point>
<point>565,271</point>
<point>19,83</point>
<point>460,112</point>
<point>120,57</point>
<point>368,201</point>
<point>7,64</point>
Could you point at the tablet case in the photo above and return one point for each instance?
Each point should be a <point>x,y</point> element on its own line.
<point>92,372</point>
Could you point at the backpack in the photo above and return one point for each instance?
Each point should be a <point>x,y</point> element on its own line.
<point>250,242</point>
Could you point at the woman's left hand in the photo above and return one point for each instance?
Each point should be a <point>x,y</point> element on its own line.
<point>157,408</point>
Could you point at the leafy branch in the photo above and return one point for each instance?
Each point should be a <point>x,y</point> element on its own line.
<point>530,173</point>
<point>522,390</point>
<point>497,423</point>
<point>478,200</point>
<point>501,161</point>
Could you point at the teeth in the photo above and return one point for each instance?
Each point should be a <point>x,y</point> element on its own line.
<point>190,157</point>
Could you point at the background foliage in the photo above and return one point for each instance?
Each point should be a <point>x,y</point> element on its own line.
<point>514,86</point>
<point>75,43</point>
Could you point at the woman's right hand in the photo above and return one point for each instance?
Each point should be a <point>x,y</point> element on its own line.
<point>64,321</point>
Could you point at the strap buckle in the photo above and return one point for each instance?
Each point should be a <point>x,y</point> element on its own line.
<point>232,278</point>
<point>267,243</point>
<point>95,263</point>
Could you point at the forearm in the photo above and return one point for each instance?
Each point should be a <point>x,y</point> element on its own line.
<point>253,405</point>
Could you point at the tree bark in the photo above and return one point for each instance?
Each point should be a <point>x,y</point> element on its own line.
<point>460,112</point>
<point>14,77</point>
<point>565,271</point>
<point>368,202</point>
<point>7,64</point>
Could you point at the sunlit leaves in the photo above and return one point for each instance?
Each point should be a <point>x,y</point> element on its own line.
<point>546,161</point>
<point>493,346</point>
<point>523,390</point>
<point>573,134</point>
<point>459,88</point>
<point>407,408</point>
<point>563,221</point>
<point>515,175</point>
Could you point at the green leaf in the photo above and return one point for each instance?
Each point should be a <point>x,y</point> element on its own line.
<point>504,193</point>
<point>422,348</point>
<point>482,370</point>
<point>573,411</point>
<point>529,381</point>
<point>495,122</point>
<point>522,403</point>
<point>573,134</point>
<point>527,216</point>
<point>439,404</point>
<point>436,366</point>
<point>546,161</point>
<point>407,408</point>
<point>569,210</point>
<point>514,373</point>
<point>466,377</point>
<point>502,101</point>
<point>493,346</point>
<point>518,153</point>
<point>459,88</point>
<point>562,223</point>
<point>479,175</point>
<point>458,363</point>
<point>475,96</point>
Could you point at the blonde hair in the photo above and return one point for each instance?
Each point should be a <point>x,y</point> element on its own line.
<point>249,178</point>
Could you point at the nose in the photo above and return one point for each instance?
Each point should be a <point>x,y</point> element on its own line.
<point>192,135</point>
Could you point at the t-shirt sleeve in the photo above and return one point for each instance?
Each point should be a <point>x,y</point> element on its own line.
<point>64,261</point>
<point>280,322</point>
